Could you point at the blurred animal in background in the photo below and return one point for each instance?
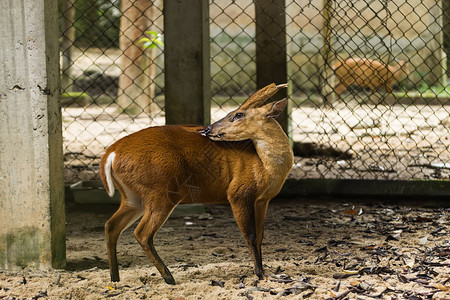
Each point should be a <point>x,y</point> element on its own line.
<point>369,73</point>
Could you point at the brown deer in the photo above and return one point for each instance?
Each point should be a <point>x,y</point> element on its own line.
<point>368,73</point>
<point>242,159</point>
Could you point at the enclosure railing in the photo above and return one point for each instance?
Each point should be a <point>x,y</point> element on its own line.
<point>369,97</point>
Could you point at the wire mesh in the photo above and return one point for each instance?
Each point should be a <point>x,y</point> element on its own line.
<point>112,85</point>
<point>368,86</point>
<point>378,106</point>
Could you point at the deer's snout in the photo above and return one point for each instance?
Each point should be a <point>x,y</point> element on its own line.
<point>206,131</point>
<point>212,133</point>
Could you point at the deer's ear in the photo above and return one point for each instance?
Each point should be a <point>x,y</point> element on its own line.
<point>275,109</point>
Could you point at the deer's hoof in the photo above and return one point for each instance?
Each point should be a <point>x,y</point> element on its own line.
<point>169,280</point>
<point>115,278</point>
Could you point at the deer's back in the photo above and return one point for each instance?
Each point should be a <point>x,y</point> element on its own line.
<point>364,72</point>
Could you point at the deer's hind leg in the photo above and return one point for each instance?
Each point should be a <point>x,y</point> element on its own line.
<point>129,211</point>
<point>157,210</point>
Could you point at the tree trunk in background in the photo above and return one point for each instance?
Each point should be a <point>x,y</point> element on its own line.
<point>134,63</point>
<point>327,74</point>
<point>67,42</point>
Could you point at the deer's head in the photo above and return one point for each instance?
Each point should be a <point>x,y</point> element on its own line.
<point>252,116</point>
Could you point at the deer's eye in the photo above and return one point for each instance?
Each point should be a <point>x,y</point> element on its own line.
<point>237,116</point>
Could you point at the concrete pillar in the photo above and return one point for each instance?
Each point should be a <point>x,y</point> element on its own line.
<point>186,62</point>
<point>271,56</point>
<point>32,229</point>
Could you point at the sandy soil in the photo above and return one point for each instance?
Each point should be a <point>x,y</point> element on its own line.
<point>312,249</point>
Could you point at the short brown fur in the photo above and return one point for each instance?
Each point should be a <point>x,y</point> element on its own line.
<point>157,168</point>
<point>368,73</point>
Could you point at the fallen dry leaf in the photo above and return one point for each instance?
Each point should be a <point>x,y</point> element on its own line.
<point>351,212</point>
<point>354,282</point>
<point>442,287</point>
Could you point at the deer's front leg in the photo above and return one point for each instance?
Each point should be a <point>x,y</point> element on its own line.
<point>243,206</point>
<point>260,216</point>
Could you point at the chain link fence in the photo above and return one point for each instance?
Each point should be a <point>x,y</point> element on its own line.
<point>368,88</point>
<point>112,83</point>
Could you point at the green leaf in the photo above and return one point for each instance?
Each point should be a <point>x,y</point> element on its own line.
<point>152,42</point>
<point>157,41</point>
<point>144,40</point>
<point>152,32</point>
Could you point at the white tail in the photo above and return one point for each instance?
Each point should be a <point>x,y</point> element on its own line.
<point>108,168</point>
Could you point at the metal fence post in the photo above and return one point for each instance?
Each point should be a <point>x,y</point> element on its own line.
<point>186,62</point>
<point>271,56</point>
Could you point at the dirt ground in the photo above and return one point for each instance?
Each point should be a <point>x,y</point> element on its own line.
<point>312,249</point>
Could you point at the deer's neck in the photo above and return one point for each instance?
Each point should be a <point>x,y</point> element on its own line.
<point>273,148</point>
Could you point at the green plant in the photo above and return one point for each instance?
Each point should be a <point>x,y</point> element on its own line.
<point>151,42</point>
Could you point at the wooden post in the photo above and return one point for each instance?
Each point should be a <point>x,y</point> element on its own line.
<point>186,62</point>
<point>446,19</point>
<point>271,55</point>
<point>32,230</point>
